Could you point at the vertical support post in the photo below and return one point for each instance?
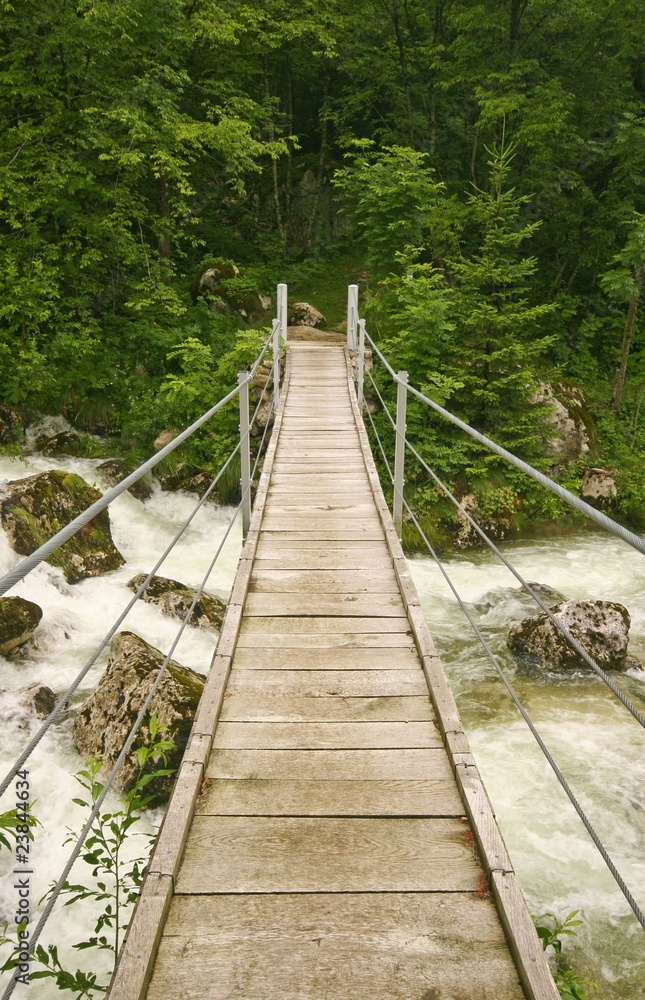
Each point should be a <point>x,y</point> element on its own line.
<point>282,310</point>
<point>361,362</point>
<point>352,316</point>
<point>245,451</point>
<point>276,363</point>
<point>399,451</point>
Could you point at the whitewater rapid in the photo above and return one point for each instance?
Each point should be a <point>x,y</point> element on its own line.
<point>595,741</point>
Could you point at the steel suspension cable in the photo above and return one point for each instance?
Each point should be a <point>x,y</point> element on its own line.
<point>55,892</point>
<point>40,554</point>
<point>640,916</point>
<point>573,642</point>
<point>595,515</point>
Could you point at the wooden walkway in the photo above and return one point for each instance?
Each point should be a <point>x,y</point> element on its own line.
<point>329,837</point>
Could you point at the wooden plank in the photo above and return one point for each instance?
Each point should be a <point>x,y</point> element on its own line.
<point>393,658</point>
<point>324,581</point>
<point>323,640</point>
<point>290,708</point>
<point>325,735</point>
<point>322,683</point>
<point>329,765</point>
<point>144,933</point>
<point>390,946</point>
<point>294,625</point>
<point>525,945</point>
<point>332,561</point>
<point>352,532</point>
<point>375,605</point>
<point>351,546</point>
<point>323,507</point>
<point>256,797</point>
<point>324,854</point>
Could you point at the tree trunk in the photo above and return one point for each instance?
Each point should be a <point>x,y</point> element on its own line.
<point>164,236</point>
<point>621,368</point>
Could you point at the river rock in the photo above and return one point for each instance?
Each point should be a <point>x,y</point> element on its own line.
<point>37,698</point>
<point>220,285</point>
<point>175,598</point>
<point>11,428</point>
<point>103,722</point>
<point>65,443</point>
<point>19,618</point>
<point>497,527</point>
<point>304,314</point>
<point>115,470</point>
<point>599,487</point>
<point>601,628</point>
<point>568,405</point>
<point>45,428</point>
<point>35,508</point>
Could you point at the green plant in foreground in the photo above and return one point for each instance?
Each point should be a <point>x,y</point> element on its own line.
<point>115,882</point>
<point>570,985</point>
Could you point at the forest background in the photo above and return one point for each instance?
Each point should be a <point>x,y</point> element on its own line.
<point>478,168</point>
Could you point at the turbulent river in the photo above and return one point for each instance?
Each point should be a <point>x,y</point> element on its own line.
<point>595,741</point>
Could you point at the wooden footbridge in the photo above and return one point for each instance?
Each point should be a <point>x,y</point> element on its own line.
<point>329,837</point>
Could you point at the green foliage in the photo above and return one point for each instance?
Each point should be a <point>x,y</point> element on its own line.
<point>112,883</point>
<point>550,931</point>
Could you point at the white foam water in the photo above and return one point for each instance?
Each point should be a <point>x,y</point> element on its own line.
<point>595,741</point>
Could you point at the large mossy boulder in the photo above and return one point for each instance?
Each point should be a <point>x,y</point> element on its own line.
<point>35,508</point>
<point>19,619</point>
<point>601,628</point>
<point>115,470</point>
<point>175,599</point>
<point>103,722</point>
<point>224,285</point>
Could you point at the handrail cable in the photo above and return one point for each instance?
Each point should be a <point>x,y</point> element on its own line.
<point>64,698</point>
<point>596,515</point>
<point>640,916</point>
<point>66,532</point>
<point>56,890</point>
<point>613,687</point>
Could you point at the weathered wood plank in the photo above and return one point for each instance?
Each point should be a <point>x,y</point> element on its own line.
<point>289,708</point>
<point>329,765</point>
<point>352,532</point>
<point>375,605</point>
<point>312,560</point>
<point>321,854</point>
<point>257,797</point>
<point>320,625</point>
<point>349,546</point>
<point>392,946</point>
<point>347,659</point>
<point>323,640</point>
<point>321,683</point>
<point>326,735</point>
<point>324,581</point>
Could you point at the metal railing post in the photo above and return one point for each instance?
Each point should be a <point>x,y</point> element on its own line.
<point>245,451</point>
<point>399,450</point>
<point>352,316</point>
<point>282,310</point>
<point>361,362</point>
<point>276,363</point>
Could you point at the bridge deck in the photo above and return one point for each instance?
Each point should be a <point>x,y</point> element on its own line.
<point>331,854</point>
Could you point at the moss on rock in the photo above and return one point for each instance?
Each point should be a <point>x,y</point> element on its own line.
<point>103,722</point>
<point>35,508</point>
<point>19,618</point>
